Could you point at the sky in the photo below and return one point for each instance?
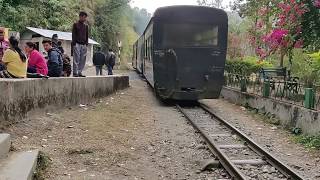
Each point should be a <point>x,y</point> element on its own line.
<point>152,5</point>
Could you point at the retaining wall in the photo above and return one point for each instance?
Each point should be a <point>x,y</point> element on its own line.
<point>20,96</point>
<point>291,116</point>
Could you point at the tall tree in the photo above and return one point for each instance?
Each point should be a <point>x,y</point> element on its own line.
<point>211,3</point>
<point>311,25</point>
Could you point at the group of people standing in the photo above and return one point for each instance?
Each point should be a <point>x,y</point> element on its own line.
<point>14,63</point>
<point>100,59</point>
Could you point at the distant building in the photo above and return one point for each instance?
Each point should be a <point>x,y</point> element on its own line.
<point>37,35</point>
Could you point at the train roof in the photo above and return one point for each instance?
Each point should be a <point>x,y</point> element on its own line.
<point>184,11</point>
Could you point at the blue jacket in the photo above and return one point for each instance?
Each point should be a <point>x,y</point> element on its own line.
<point>55,63</point>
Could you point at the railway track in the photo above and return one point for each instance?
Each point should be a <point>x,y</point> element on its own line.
<point>237,153</point>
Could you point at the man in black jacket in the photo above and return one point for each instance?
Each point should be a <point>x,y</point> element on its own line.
<point>111,61</point>
<point>80,39</point>
<point>55,62</point>
<point>99,60</point>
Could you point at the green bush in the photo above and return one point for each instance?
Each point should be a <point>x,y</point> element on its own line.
<point>246,66</point>
<point>312,142</point>
<point>306,67</point>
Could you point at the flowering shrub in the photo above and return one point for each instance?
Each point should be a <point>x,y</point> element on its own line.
<point>316,3</point>
<point>285,33</point>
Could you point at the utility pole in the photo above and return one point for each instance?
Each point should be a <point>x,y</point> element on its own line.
<point>119,49</point>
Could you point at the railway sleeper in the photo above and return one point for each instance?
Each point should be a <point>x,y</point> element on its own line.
<point>207,165</point>
<point>233,146</point>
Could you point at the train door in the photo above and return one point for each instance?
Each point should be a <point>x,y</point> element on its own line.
<point>165,65</point>
<point>148,60</point>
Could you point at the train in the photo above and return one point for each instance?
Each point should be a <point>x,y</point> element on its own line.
<point>182,52</point>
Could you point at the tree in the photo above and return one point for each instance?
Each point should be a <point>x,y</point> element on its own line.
<point>109,20</point>
<point>141,18</point>
<point>18,14</point>
<point>311,25</point>
<point>281,25</point>
<point>285,33</point>
<point>211,3</point>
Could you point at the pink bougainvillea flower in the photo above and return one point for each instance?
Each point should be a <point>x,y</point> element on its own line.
<point>298,44</point>
<point>262,53</point>
<point>259,24</point>
<point>278,34</point>
<point>293,18</point>
<point>282,20</point>
<point>316,3</point>
<point>285,7</point>
<point>263,11</point>
<point>298,30</point>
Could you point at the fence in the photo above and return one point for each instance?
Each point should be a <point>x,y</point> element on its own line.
<point>293,91</point>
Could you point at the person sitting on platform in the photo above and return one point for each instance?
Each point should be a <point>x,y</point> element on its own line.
<point>4,45</point>
<point>36,62</point>
<point>14,61</point>
<point>55,62</point>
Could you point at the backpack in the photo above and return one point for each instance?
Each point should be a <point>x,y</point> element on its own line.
<point>66,65</point>
<point>60,59</point>
<point>112,59</point>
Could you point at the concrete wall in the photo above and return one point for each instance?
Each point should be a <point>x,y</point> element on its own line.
<point>291,116</point>
<point>18,97</point>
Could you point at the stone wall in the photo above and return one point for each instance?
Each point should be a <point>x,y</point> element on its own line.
<point>291,116</point>
<point>20,96</point>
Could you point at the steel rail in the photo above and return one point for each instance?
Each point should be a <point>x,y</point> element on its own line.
<point>231,168</point>
<point>283,168</point>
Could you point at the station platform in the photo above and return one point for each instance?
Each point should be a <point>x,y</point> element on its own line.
<point>20,96</point>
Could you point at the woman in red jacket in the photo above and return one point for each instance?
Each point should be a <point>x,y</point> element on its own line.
<point>37,63</point>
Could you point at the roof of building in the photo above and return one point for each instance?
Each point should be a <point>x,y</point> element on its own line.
<point>61,35</point>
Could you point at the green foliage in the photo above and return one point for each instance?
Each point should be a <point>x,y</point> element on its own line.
<point>306,67</point>
<point>128,34</point>
<point>50,14</point>
<point>315,60</point>
<point>311,26</point>
<point>312,142</point>
<point>247,66</point>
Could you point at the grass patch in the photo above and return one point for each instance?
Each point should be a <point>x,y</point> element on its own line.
<point>310,142</point>
<point>266,117</point>
<point>43,163</point>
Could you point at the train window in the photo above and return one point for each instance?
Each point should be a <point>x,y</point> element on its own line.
<point>190,35</point>
<point>146,48</point>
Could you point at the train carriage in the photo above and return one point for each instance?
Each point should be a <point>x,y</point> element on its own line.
<point>182,52</point>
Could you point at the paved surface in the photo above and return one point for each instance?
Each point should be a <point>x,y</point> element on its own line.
<point>5,144</point>
<point>19,166</point>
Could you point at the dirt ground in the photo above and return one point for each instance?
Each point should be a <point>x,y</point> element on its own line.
<point>131,135</point>
<point>275,139</point>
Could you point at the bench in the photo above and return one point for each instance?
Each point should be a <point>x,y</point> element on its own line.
<point>270,73</point>
<point>281,75</point>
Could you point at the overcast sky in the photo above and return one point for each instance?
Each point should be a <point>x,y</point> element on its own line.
<point>152,5</point>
